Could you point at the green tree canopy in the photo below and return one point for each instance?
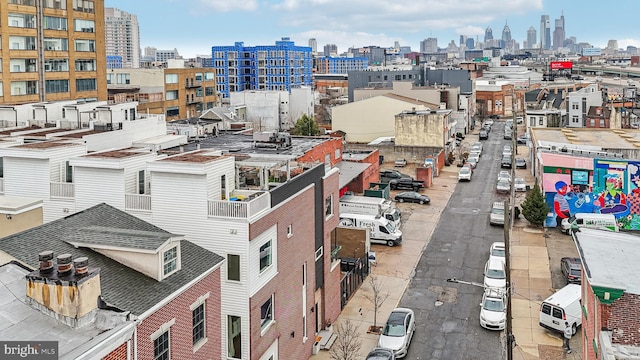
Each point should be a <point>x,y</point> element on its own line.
<point>534,209</point>
<point>306,126</point>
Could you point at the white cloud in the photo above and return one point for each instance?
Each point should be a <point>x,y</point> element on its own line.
<point>470,30</point>
<point>628,42</point>
<point>344,40</point>
<point>227,5</point>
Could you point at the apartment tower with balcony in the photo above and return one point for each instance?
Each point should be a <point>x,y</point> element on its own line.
<point>52,50</point>
<point>122,36</point>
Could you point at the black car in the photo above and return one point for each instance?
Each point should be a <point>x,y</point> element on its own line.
<point>412,196</point>
<point>507,134</point>
<point>381,354</point>
<point>405,183</point>
<point>506,162</point>
<point>521,163</point>
<point>571,269</point>
<point>484,135</point>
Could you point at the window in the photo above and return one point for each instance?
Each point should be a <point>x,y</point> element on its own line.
<point>575,106</point>
<point>55,4</point>
<point>171,95</point>
<point>83,6</point>
<point>85,45</point>
<point>22,42</point>
<point>84,25</point>
<point>198,76</point>
<point>173,111</point>
<point>198,322</point>
<point>210,91</point>
<point>56,86</point>
<point>328,206</point>
<point>54,65</point>
<point>557,313</point>
<point>161,347</point>
<point>55,44</point>
<point>87,65</point>
<point>290,231</point>
<point>575,119</point>
<point>1,167</point>
<point>171,78</point>
<point>23,2</point>
<point>209,76</point>
<point>170,261</point>
<point>234,337</point>
<point>141,180</point>
<point>23,65</point>
<point>24,87</point>
<point>541,120</point>
<point>266,313</point>
<point>68,172</point>
<point>223,186</point>
<point>122,78</point>
<point>265,256</point>
<point>85,84</point>
<point>55,23</point>
<point>593,122</point>
<point>233,267</point>
<point>601,123</point>
<point>22,20</point>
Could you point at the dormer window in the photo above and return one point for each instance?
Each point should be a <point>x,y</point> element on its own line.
<point>170,261</point>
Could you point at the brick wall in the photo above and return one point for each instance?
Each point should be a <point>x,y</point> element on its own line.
<point>624,320</point>
<point>120,353</point>
<point>589,322</point>
<point>328,147</point>
<point>331,290</point>
<point>286,287</point>
<point>180,334</point>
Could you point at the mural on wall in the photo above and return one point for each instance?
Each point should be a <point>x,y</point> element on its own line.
<point>610,187</point>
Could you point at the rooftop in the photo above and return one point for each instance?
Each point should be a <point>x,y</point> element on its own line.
<point>45,145</point>
<point>119,153</point>
<point>202,156</point>
<point>606,138</point>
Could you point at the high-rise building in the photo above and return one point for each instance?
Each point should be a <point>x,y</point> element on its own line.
<point>531,38</point>
<point>429,45</point>
<point>612,44</point>
<point>488,34</point>
<point>313,44</point>
<point>463,40</point>
<point>470,43</point>
<point>280,67</point>
<point>164,55</point>
<point>53,50</point>
<point>506,34</point>
<point>559,33</point>
<point>122,36</point>
<point>330,50</point>
<point>545,32</point>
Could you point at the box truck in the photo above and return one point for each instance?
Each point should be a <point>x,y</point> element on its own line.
<point>380,229</point>
<point>366,205</point>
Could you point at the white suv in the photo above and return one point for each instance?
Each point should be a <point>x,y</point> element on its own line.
<point>465,173</point>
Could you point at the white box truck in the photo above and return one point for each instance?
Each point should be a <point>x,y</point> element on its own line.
<point>380,229</point>
<point>367,205</point>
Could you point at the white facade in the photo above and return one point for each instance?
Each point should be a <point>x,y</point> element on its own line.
<point>579,103</point>
<point>122,36</point>
<point>274,110</point>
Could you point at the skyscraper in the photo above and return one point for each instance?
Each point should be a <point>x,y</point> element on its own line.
<point>506,34</point>
<point>122,36</point>
<point>545,32</point>
<point>463,40</point>
<point>488,34</point>
<point>559,33</point>
<point>531,38</point>
<point>470,44</point>
<point>331,50</point>
<point>313,43</point>
<point>429,45</point>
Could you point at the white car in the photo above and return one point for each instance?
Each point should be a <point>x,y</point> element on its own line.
<point>493,310</point>
<point>504,175</point>
<point>488,122</point>
<point>495,276</point>
<point>616,78</point>
<point>398,331</point>
<point>474,157</point>
<point>519,184</point>
<point>497,250</point>
<point>496,216</point>
<point>503,186</point>
<point>464,173</point>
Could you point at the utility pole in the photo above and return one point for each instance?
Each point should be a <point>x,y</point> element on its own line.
<point>508,232</point>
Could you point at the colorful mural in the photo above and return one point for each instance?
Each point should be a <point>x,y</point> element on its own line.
<point>600,186</point>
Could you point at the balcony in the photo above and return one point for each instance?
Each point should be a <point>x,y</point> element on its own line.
<point>62,190</point>
<point>137,202</point>
<point>242,204</point>
<point>195,100</point>
<point>193,84</point>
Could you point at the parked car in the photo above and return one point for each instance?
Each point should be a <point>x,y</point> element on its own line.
<point>398,331</point>
<point>495,116</point>
<point>465,173</point>
<point>522,140</point>
<point>381,354</point>
<point>571,269</point>
<point>507,134</point>
<point>521,163</point>
<point>494,274</point>
<point>505,163</point>
<point>504,175</point>
<point>496,216</point>
<point>475,156</point>
<point>616,78</point>
<point>400,163</point>
<point>519,184</point>
<point>503,186</point>
<point>413,197</point>
<point>493,310</point>
<point>489,122</point>
<point>486,127</point>
<point>472,161</point>
<point>472,166</point>
<point>497,250</point>
<point>484,135</point>
<point>405,183</point>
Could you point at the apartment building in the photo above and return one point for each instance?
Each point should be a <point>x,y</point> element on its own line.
<point>178,93</point>
<point>579,102</point>
<point>122,36</point>
<point>340,65</point>
<point>54,51</point>
<point>282,66</point>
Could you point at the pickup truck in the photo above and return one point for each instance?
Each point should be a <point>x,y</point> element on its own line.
<point>406,183</point>
<point>388,175</point>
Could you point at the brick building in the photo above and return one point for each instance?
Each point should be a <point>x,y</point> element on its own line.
<point>610,294</point>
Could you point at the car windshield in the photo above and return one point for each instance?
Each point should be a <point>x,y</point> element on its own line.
<point>520,181</point>
<point>497,252</point>
<point>464,170</point>
<point>390,228</point>
<point>395,325</point>
<point>495,274</point>
<point>395,216</point>
<point>497,211</point>
<point>493,304</point>
<point>503,183</point>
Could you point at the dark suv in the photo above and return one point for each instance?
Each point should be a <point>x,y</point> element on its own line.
<point>506,162</point>
<point>571,271</point>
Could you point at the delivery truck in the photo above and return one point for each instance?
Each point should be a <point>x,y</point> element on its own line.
<point>380,229</point>
<point>366,205</point>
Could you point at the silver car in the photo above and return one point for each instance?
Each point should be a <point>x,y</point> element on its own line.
<point>398,331</point>
<point>519,184</point>
<point>503,186</point>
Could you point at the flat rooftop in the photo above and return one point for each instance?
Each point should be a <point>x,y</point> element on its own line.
<point>45,145</point>
<point>119,153</point>
<point>604,138</point>
<point>202,156</point>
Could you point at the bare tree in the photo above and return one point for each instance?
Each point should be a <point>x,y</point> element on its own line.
<point>347,345</point>
<point>463,152</point>
<point>377,298</point>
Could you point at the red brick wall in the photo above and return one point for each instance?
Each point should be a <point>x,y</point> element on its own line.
<point>590,302</point>
<point>624,320</point>
<point>317,154</point>
<point>180,334</point>
<point>287,285</point>
<point>331,290</point>
<point>120,353</point>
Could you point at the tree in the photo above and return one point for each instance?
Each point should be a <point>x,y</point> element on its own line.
<point>377,298</point>
<point>347,345</point>
<point>306,126</point>
<point>534,209</point>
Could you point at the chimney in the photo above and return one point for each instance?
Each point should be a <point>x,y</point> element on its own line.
<point>70,294</point>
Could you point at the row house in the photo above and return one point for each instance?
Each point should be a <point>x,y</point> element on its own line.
<point>125,289</point>
<point>281,284</point>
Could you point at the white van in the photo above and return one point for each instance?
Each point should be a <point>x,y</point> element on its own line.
<point>381,230</point>
<point>589,220</point>
<point>562,306</point>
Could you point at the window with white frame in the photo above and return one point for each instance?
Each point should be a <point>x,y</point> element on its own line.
<point>540,120</point>
<point>265,256</point>
<point>266,313</point>
<point>290,231</point>
<point>198,322</point>
<point>328,206</point>
<point>575,106</point>
<point>234,337</point>
<point>171,78</point>
<point>161,350</point>
<point>170,261</point>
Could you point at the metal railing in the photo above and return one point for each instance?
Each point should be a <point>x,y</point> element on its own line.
<point>62,190</point>
<point>242,204</point>
<point>137,202</point>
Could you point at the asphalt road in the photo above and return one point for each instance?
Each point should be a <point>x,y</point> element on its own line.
<point>448,314</point>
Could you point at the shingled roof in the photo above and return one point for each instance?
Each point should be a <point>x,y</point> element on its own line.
<point>122,287</point>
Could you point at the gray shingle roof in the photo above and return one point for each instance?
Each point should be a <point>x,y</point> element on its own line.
<point>122,287</point>
<point>128,238</point>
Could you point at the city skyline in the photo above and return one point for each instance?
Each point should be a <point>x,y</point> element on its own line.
<point>195,26</point>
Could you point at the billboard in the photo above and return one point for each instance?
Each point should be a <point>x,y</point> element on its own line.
<point>591,52</point>
<point>558,65</point>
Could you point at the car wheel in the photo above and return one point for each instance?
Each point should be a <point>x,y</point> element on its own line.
<point>390,243</point>
<point>421,202</point>
<point>574,329</point>
<point>401,200</point>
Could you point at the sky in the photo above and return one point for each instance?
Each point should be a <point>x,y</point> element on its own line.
<point>193,26</point>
